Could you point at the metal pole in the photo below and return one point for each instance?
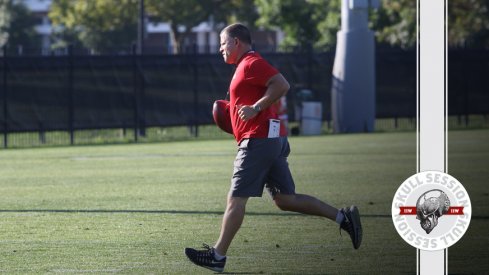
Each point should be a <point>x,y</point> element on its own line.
<point>142,92</point>
<point>141,28</point>
<point>71,107</point>
<point>140,51</point>
<point>309,66</point>
<point>196,92</point>
<point>135,93</point>
<point>5,98</point>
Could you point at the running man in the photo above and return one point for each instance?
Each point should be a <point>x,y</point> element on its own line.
<point>261,161</point>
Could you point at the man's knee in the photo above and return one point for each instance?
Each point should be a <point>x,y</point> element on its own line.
<point>235,203</point>
<point>283,202</point>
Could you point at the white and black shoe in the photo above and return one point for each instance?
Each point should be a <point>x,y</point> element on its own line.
<point>351,224</point>
<point>205,258</point>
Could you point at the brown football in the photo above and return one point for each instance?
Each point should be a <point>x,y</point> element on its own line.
<point>221,115</point>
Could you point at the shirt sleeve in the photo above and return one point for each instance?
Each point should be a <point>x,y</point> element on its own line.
<point>259,72</point>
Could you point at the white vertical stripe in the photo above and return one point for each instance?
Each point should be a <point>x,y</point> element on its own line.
<point>432,80</point>
<point>446,87</point>
<point>446,108</point>
<point>431,107</point>
<point>417,85</point>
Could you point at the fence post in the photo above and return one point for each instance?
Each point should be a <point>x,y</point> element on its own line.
<point>71,107</point>
<point>196,92</point>
<point>309,65</point>
<point>141,96</point>
<point>135,93</point>
<point>5,98</point>
<point>466,102</point>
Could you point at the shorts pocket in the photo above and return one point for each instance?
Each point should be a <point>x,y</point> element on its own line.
<point>244,144</point>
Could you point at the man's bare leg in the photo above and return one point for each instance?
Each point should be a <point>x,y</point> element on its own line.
<point>305,204</point>
<point>231,222</point>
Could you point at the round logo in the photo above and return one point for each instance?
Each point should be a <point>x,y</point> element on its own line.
<point>431,210</point>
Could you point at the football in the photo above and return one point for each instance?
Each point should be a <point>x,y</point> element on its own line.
<point>221,115</point>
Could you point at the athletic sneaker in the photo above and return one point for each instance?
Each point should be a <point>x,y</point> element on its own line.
<point>205,258</point>
<point>352,225</point>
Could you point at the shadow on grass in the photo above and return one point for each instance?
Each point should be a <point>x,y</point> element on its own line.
<point>182,212</point>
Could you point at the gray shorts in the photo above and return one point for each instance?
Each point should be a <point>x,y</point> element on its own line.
<point>262,162</point>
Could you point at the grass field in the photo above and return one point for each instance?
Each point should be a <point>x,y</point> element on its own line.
<point>133,208</point>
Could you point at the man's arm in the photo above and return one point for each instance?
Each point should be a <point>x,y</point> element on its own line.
<point>277,86</point>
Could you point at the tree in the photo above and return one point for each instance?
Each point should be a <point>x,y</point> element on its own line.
<point>4,21</point>
<point>184,14</point>
<point>468,23</point>
<point>101,24</point>
<point>329,23</point>
<point>243,11</point>
<point>17,25</point>
<point>96,24</point>
<point>316,22</point>
<point>295,17</point>
<point>395,23</point>
<point>304,22</point>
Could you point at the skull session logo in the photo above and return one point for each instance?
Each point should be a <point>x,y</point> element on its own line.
<point>431,210</point>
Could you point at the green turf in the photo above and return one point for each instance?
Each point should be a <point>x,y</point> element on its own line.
<point>133,208</point>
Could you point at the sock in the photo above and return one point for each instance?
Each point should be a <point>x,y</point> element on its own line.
<point>217,256</point>
<point>340,217</point>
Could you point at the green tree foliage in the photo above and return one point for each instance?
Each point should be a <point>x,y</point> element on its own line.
<point>468,23</point>
<point>96,24</point>
<point>17,25</point>
<point>316,22</point>
<point>297,18</point>
<point>243,11</point>
<point>4,22</point>
<point>329,24</point>
<point>395,23</point>
<point>100,24</point>
<point>184,14</point>
<point>304,22</point>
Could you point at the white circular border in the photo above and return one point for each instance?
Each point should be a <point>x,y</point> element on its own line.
<point>416,237</point>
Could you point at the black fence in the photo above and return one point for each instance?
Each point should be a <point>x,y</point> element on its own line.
<point>77,92</point>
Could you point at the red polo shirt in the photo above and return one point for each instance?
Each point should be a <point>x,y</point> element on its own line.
<point>247,87</point>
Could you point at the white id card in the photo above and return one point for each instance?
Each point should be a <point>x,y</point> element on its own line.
<point>274,128</point>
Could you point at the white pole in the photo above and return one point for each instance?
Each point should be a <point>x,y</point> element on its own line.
<point>431,107</point>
